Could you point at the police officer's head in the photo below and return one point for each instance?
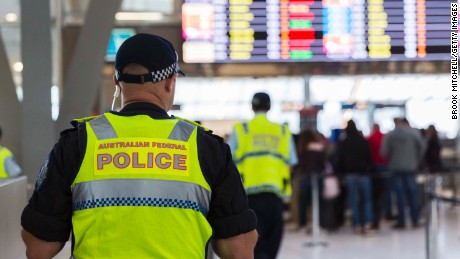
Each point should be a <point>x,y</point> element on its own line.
<point>146,68</point>
<point>260,102</point>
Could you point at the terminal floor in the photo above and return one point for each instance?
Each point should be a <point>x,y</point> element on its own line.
<point>388,243</point>
<point>385,244</point>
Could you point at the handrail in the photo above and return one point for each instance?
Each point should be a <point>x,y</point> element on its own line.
<point>7,181</point>
<point>443,198</point>
<point>389,173</point>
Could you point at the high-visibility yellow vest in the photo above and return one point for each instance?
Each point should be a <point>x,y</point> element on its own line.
<point>262,156</point>
<point>140,191</point>
<point>4,154</point>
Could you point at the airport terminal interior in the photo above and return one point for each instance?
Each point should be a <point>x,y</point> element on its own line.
<point>323,63</point>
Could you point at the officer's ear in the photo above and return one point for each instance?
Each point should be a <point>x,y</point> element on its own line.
<point>117,87</point>
<point>170,83</point>
<point>115,80</point>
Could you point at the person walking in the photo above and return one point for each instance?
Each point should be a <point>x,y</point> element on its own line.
<point>8,166</point>
<point>404,148</point>
<point>264,151</point>
<point>354,161</point>
<point>139,183</point>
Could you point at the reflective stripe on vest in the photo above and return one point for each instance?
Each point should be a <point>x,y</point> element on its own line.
<point>265,188</point>
<point>102,128</point>
<point>140,192</point>
<point>261,153</point>
<point>182,131</point>
<point>245,128</point>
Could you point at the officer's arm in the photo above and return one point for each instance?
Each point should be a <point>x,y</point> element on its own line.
<point>241,246</point>
<point>40,249</point>
<point>12,168</point>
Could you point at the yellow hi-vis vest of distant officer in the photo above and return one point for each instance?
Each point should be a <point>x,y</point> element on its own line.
<point>140,192</point>
<point>262,156</point>
<point>4,154</point>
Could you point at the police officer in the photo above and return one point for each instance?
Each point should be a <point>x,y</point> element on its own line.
<point>263,152</point>
<point>139,183</point>
<point>8,167</point>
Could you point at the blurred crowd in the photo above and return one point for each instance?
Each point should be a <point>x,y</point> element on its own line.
<point>372,177</point>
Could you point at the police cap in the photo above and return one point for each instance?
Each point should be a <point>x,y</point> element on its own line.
<point>150,51</point>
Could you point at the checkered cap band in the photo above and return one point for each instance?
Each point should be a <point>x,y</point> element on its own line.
<point>160,75</point>
<point>152,76</point>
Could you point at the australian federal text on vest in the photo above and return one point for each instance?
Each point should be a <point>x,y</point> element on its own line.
<point>140,144</point>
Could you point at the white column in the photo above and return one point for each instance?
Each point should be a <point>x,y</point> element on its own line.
<point>37,125</point>
<point>84,74</point>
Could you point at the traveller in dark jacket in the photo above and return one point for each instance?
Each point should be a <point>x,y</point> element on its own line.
<point>354,160</point>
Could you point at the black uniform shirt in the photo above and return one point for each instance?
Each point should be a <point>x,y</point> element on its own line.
<point>49,212</point>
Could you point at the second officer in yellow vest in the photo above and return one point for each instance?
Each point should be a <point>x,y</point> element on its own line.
<point>8,166</point>
<point>264,151</point>
<point>139,183</point>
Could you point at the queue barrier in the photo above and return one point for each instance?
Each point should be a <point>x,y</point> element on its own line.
<point>432,213</point>
<point>433,182</point>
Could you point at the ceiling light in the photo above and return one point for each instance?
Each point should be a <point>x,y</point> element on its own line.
<point>138,16</point>
<point>18,66</point>
<point>11,17</point>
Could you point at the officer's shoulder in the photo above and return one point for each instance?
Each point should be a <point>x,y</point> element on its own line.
<point>68,131</point>
<point>209,134</point>
<point>77,123</point>
<point>194,123</point>
<point>202,130</point>
<point>241,124</point>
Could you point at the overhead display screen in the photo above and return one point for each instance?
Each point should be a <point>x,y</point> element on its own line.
<point>117,37</point>
<point>225,31</point>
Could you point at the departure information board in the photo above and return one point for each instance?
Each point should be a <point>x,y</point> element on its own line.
<point>223,31</point>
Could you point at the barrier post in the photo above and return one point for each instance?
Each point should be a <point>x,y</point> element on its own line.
<point>428,197</point>
<point>434,229</point>
<point>428,223</point>
<point>431,229</point>
<point>315,214</point>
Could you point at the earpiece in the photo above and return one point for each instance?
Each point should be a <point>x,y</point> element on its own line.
<point>115,95</point>
<point>117,91</point>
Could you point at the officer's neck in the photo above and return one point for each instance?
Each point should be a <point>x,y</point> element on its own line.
<point>153,99</point>
<point>260,113</point>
